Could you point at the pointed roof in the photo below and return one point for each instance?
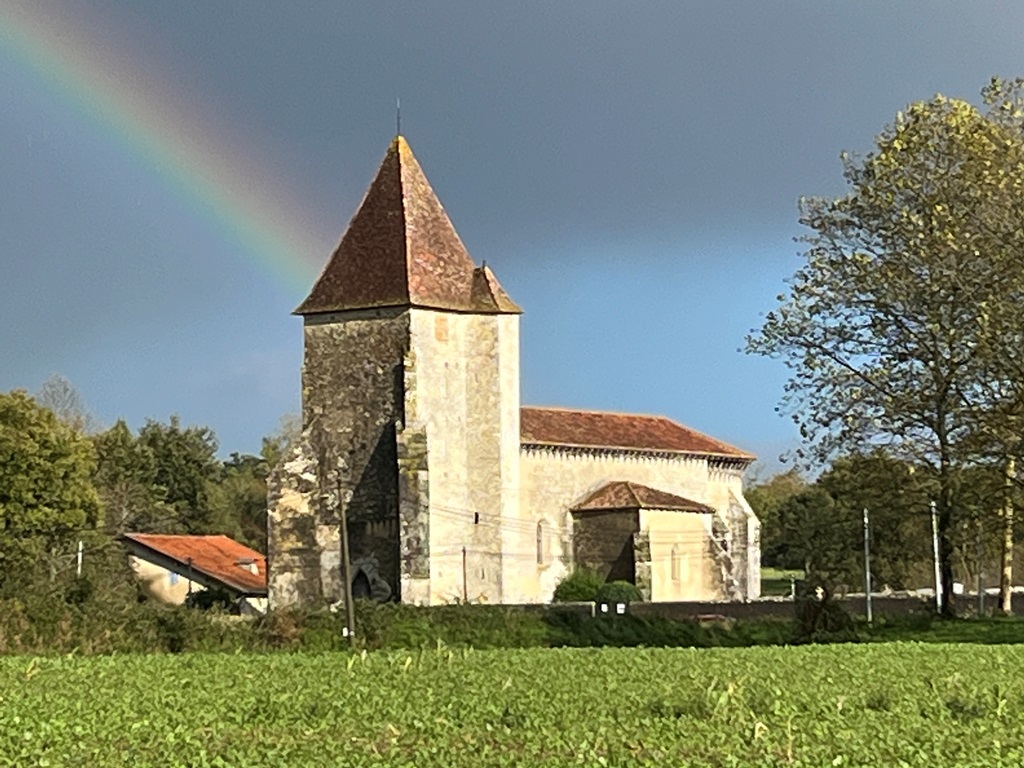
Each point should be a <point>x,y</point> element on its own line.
<point>401,250</point>
<point>625,495</point>
<point>630,431</point>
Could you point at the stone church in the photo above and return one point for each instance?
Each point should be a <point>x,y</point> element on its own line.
<point>414,433</point>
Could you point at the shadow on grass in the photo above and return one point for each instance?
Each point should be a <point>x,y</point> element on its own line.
<point>926,628</point>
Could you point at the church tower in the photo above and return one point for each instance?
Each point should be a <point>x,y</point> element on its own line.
<point>410,410</point>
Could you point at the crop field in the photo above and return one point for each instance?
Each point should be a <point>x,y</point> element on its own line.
<point>865,705</point>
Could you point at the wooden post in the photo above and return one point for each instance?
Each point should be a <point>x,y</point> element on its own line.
<point>935,554</point>
<point>465,586</point>
<point>867,566</point>
<point>346,572</point>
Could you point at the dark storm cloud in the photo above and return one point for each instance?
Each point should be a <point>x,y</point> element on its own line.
<point>543,121</point>
<point>629,169</point>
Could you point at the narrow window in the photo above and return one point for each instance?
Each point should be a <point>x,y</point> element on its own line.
<point>540,543</point>
<point>676,575</point>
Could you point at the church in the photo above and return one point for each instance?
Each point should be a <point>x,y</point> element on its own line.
<point>453,491</point>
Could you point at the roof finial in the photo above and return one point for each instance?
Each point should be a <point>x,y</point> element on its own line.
<point>398,116</point>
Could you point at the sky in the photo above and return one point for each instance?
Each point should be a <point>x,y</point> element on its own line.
<point>173,176</point>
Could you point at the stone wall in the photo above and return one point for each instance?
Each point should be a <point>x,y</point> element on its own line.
<point>603,541</point>
<point>352,401</point>
<point>554,479</point>
<point>464,397</point>
<point>681,565</point>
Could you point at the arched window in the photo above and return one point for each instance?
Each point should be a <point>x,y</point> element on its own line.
<point>540,543</point>
<point>676,563</point>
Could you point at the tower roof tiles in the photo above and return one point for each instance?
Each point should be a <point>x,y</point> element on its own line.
<point>400,249</point>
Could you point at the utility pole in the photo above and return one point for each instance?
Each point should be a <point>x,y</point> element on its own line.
<point>867,565</point>
<point>346,570</point>
<point>78,570</point>
<point>465,580</point>
<point>935,555</point>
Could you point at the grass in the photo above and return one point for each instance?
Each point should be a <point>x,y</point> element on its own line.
<point>927,629</point>
<point>905,704</point>
<point>776,581</point>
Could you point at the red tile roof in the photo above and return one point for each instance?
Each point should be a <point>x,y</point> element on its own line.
<point>400,249</point>
<point>597,429</point>
<point>626,495</point>
<point>219,557</point>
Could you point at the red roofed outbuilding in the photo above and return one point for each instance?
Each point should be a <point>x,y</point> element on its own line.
<point>174,566</point>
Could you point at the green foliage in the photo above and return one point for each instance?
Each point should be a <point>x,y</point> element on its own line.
<point>579,586</point>
<point>618,592</point>
<point>238,500</point>
<point>867,705</point>
<point>185,465</point>
<point>766,499</point>
<point>902,326</point>
<point>46,491</point>
<point>126,481</point>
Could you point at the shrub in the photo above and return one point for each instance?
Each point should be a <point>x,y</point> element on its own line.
<point>579,586</point>
<point>618,592</point>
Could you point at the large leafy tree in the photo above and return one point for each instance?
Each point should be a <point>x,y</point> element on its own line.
<point>239,500</point>
<point>126,481</point>
<point>59,395</point>
<point>46,490</point>
<point>900,318</point>
<point>766,499</point>
<point>184,468</point>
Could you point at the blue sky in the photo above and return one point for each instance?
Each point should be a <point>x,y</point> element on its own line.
<point>630,172</point>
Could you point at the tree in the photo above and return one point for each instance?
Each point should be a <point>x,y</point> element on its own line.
<point>896,494</point>
<point>126,481</point>
<point>766,499</point>
<point>904,311</point>
<point>46,490</point>
<point>278,444</point>
<point>185,466</point>
<point>59,395</point>
<point>239,500</point>
<point>818,538</point>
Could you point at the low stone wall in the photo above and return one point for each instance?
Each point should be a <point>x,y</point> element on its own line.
<point>887,606</point>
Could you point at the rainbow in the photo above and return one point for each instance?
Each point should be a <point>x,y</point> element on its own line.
<point>145,117</point>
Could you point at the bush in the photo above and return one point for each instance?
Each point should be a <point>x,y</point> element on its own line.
<point>626,631</point>
<point>618,592</point>
<point>580,586</point>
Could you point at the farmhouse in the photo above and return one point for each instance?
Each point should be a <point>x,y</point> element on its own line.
<point>413,432</point>
<point>173,567</point>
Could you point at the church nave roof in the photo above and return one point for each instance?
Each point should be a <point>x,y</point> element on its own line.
<point>600,429</point>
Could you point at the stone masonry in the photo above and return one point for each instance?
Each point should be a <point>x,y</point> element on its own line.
<point>413,432</point>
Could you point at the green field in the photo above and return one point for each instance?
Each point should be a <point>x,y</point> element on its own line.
<point>776,581</point>
<point>842,705</point>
